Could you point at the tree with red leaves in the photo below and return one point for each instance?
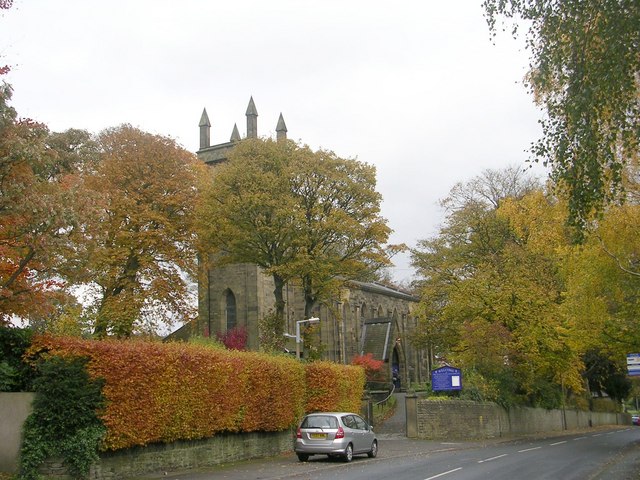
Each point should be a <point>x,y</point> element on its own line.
<point>39,201</point>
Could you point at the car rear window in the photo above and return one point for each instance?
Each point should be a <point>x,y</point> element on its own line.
<point>320,421</point>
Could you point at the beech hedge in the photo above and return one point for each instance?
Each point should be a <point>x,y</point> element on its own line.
<point>334,387</point>
<point>163,392</point>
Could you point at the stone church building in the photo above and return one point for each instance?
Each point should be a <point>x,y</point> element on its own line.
<point>366,318</point>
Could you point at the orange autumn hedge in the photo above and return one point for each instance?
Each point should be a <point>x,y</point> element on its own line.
<point>158,392</point>
<point>334,387</point>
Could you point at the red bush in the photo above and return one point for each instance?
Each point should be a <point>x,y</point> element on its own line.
<point>372,367</point>
<point>234,339</point>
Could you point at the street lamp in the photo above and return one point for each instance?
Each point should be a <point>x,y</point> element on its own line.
<point>298,338</point>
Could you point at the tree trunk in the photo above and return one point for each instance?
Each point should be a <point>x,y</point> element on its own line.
<point>309,297</point>
<point>278,293</point>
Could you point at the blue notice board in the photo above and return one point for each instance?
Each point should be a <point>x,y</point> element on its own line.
<point>446,378</point>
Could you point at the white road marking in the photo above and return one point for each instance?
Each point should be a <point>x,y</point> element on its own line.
<point>444,473</point>
<point>579,438</point>
<point>493,458</point>
<point>559,443</point>
<point>529,449</point>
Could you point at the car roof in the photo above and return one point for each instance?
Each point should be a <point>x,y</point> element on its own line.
<point>330,413</point>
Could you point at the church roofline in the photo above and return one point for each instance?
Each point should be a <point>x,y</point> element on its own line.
<point>219,146</point>
<point>383,289</point>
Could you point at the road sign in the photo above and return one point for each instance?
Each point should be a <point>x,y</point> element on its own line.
<point>633,364</point>
<point>446,378</point>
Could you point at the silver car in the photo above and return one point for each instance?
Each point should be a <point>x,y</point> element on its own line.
<point>337,434</point>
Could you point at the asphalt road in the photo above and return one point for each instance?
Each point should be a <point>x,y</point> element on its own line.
<point>611,453</point>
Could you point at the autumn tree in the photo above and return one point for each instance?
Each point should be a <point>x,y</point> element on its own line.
<point>603,284</point>
<point>140,245</point>
<point>507,294</point>
<point>248,214</point>
<point>603,278</point>
<point>342,232</point>
<point>584,71</point>
<point>40,205</point>
<point>490,292</point>
<point>301,215</point>
<point>471,233</point>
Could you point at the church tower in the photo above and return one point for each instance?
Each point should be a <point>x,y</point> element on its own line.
<point>214,154</point>
<point>236,295</point>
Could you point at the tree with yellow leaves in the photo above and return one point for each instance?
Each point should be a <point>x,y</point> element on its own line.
<point>140,244</point>
<point>301,215</point>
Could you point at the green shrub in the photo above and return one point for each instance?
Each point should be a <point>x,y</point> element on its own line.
<point>64,421</point>
<point>15,375</point>
<point>8,377</point>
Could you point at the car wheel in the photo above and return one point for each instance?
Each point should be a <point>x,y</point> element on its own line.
<point>348,453</point>
<point>303,457</point>
<point>374,449</point>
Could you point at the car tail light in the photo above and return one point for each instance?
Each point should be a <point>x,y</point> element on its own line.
<point>299,433</point>
<point>340,433</point>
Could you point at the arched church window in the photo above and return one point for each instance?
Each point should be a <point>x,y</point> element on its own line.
<point>230,310</point>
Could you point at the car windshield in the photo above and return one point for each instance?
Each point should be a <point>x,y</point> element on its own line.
<point>320,421</point>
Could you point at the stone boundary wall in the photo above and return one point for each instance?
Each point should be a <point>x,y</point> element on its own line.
<point>14,410</point>
<point>464,420</point>
<point>179,456</point>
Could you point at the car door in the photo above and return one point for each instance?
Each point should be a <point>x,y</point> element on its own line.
<point>364,444</point>
<point>351,431</point>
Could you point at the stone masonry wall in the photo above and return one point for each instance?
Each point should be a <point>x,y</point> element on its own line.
<point>14,410</point>
<point>177,456</point>
<point>458,420</point>
<point>470,420</point>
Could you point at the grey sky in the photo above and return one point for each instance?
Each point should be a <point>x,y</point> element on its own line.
<point>415,88</point>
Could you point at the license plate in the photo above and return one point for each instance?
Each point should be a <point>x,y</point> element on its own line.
<point>318,435</point>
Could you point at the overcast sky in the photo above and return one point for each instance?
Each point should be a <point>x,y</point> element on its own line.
<point>416,88</point>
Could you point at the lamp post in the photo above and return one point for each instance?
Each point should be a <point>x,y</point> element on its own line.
<point>298,337</point>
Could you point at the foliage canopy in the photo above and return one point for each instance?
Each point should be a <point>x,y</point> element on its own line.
<point>301,215</point>
<point>584,71</point>
<point>507,295</point>
<point>140,242</point>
